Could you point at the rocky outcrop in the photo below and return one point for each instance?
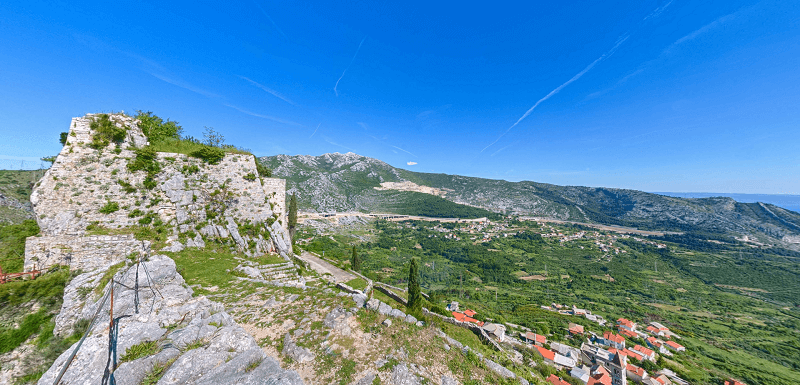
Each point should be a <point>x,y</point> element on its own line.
<point>196,340</point>
<point>93,190</point>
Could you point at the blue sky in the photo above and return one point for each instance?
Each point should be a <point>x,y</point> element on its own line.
<point>652,95</point>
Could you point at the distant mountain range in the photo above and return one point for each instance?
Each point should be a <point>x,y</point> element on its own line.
<point>787,201</point>
<point>350,182</point>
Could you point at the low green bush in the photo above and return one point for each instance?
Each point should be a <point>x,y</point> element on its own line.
<point>210,155</point>
<point>105,131</point>
<point>109,207</point>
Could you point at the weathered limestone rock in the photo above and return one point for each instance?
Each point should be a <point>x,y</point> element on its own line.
<point>366,379</point>
<point>338,320</point>
<point>402,376</point>
<point>373,304</point>
<point>384,309</point>
<point>448,381</point>
<point>397,314</point>
<point>224,347</point>
<point>360,300</point>
<point>297,353</point>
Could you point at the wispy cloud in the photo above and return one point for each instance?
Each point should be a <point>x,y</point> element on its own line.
<point>348,66</point>
<point>496,152</point>
<point>561,87</point>
<point>184,85</point>
<point>407,152</point>
<point>315,131</point>
<point>330,141</point>
<point>706,28</point>
<point>617,84</point>
<point>272,118</point>
<point>270,19</point>
<point>658,11</point>
<point>363,125</point>
<point>269,90</point>
<point>411,163</point>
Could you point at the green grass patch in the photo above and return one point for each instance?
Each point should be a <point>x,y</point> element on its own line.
<point>31,324</point>
<point>270,259</point>
<point>12,244</point>
<point>212,266</point>
<point>107,277</point>
<point>155,374</point>
<point>142,349</point>
<point>357,283</point>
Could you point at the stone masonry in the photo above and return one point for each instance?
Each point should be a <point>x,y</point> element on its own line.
<point>82,180</point>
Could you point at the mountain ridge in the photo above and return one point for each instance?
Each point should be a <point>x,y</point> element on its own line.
<point>346,182</point>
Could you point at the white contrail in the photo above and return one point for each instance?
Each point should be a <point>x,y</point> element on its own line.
<point>262,116</point>
<point>185,86</point>
<point>657,12</point>
<point>269,90</point>
<point>270,19</point>
<point>495,153</point>
<point>561,87</point>
<point>348,66</point>
<point>403,150</point>
<point>315,131</point>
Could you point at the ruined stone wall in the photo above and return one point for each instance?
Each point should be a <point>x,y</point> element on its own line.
<point>277,190</point>
<point>190,196</point>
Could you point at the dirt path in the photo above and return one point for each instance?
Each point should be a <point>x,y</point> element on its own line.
<point>323,267</point>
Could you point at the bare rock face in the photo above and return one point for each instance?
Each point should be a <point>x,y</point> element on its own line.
<point>94,187</point>
<point>401,375</point>
<point>297,353</point>
<point>198,341</point>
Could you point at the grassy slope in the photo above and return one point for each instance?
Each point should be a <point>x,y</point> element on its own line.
<point>17,184</point>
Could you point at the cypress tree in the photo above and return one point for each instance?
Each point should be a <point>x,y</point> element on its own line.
<point>292,216</point>
<point>355,261</point>
<point>414,306</point>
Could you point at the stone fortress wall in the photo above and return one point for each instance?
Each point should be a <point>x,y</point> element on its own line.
<point>190,196</point>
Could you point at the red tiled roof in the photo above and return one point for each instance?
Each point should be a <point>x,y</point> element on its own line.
<point>576,329</point>
<point>600,379</point>
<point>634,354</point>
<point>623,321</point>
<point>461,317</point>
<point>628,333</point>
<point>645,351</point>
<point>613,337</point>
<point>547,354</point>
<point>600,369</point>
<point>635,369</point>
<point>556,380</point>
<point>654,342</point>
<point>673,345</point>
<point>536,337</point>
<point>733,382</point>
<point>652,329</point>
<point>470,313</point>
